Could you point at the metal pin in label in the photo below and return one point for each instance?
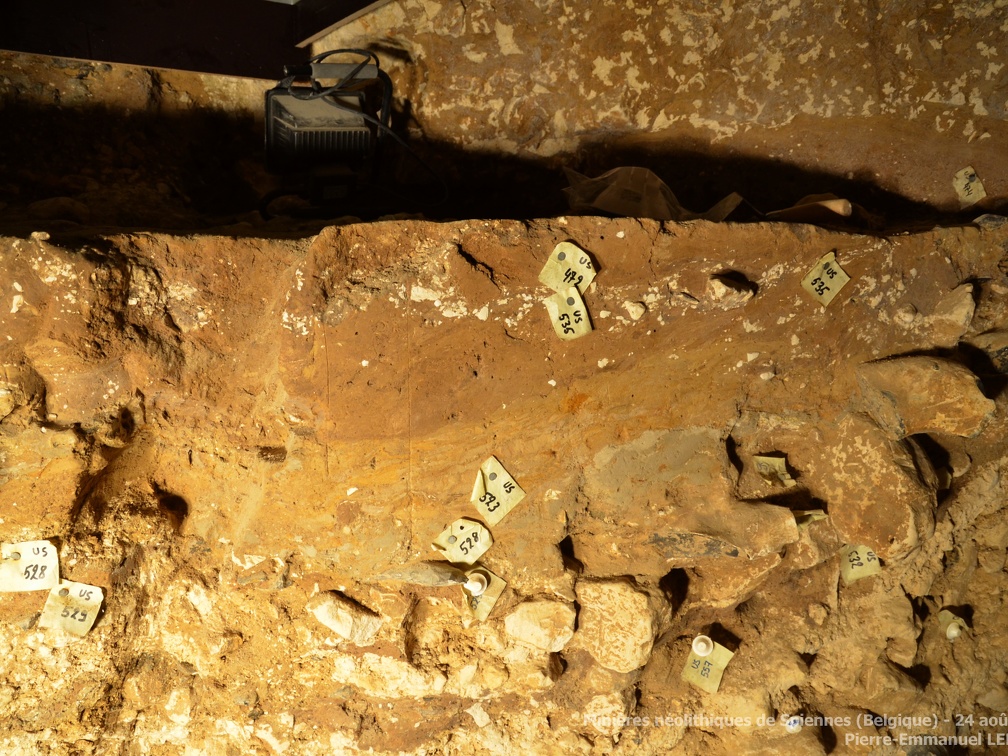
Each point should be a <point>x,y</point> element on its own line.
<point>482,603</point>
<point>495,492</point>
<point>568,266</point>
<point>951,624</point>
<point>968,187</point>
<point>463,541</point>
<point>705,669</point>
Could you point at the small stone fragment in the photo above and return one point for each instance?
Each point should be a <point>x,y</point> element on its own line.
<point>995,345</point>
<point>60,208</point>
<point>727,293</point>
<point>876,495</point>
<point>7,402</point>
<point>479,715</point>
<point>617,624</point>
<point>995,699</point>
<point>636,310</point>
<point>546,625</point>
<point>959,462</point>
<point>909,395</point>
<point>345,617</point>
<point>952,317</point>
<point>608,714</point>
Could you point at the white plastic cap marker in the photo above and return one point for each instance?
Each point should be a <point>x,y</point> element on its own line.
<point>793,724</point>
<point>952,624</point>
<point>476,584</point>
<point>703,646</point>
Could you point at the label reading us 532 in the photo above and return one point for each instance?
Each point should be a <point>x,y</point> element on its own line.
<point>28,566</point>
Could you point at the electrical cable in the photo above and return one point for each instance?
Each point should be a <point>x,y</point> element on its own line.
<point>330,94</point>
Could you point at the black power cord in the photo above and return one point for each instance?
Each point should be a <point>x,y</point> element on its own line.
<point>347,85</point>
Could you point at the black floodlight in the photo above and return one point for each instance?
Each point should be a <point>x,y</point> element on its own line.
<point>334,120</point>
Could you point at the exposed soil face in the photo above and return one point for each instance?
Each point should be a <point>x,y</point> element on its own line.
<point>218,432</point>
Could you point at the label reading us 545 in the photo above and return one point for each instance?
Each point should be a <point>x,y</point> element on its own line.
<point>464,541</point>
<point>28,566</point>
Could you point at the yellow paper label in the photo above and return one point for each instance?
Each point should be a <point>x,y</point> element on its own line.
<point>568,266</point>
<point>773,469</point>
<point>705,671</point>
<point>464,541</point>
<point>858,562</point>
<point>825,279</point>
<point>808,516</point>
<point>482,605</point>
<point>72,607</point>
<point>968,187</point>
<point>569,315</point>
<point>28,566</point>
<point>495,492</point>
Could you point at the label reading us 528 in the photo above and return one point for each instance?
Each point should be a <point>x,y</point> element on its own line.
<point>28,566</point>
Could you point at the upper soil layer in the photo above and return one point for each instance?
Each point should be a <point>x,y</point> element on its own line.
<point>774,100</point>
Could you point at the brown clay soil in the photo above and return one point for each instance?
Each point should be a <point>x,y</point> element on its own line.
<point>247,432</point>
